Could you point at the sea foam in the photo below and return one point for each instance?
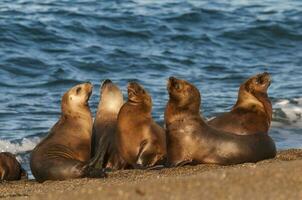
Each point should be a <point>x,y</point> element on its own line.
<point>288,112</point>
<point>24,146</point>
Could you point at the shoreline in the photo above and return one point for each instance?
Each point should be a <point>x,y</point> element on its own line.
<point>278,178</point>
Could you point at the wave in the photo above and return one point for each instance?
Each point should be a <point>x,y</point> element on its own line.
<point>288,112</point>
<point>24,146</point>
<point>268,35</point>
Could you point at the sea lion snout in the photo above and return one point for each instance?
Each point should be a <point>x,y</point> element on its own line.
<point>134,87</point>
<point>132,90</point>
<point>265,78</point>
<point>106,82</point>
<point>173,83</point>
<point>172,79</point>
<point>88,88</point>
<point>77,97</point>
<point>136,93</point>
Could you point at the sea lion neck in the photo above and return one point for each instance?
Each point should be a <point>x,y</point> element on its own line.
<point>264,99</point>
<point>108,110</point>
<point>246,98</point>
<point>81,113</point>
<point>174,113</point>
<point>139,106</point>
<point>111,98</point>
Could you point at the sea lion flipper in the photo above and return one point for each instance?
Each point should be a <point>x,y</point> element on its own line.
<point>23,174</point>
<point>140,160</point>
<point>3,174</point>
<point>92,172</point>
<point>98,160</point>
<point>93,142</point>
<point>156,167</point>
<point>181,163</point>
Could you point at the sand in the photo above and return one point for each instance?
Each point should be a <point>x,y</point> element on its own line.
<point>279,178</point>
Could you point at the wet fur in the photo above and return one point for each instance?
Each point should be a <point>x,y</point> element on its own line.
<point>10,168</point>
<point>251,114</point>
<point>65,152</point>
<point>191,141</point>
<point>105,128</point>
<point>141,141</point>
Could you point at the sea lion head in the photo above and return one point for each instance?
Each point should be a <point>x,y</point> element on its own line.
<point>253,94</point>
<point>138,95</point>
<point>111,97</point>
<point>183,94</point>
<point>257,84</point>
<point>76,99</point>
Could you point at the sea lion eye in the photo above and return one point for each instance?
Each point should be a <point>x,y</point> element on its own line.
<point>177,86</point>
<point>78,90</point>
<point>257,80</point>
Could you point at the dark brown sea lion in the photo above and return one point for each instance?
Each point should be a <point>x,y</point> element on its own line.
<point>190,140</point>
<point>65,152</point>
<point>141,141</point>
<point>10,168</point>
<point>252,112</point>
<point>105,126</point>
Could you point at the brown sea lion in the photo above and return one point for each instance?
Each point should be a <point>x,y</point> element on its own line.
<point>10,168</point>
<point>252,112</point>
<point>141,141</point>
<point>190,140</point>
<point>65,152</point>
<point>105,126</point>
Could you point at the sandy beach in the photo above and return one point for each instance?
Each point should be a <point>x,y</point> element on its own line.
<point>278,178</point>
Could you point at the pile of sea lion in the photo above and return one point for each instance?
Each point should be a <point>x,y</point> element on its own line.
<point>125,136</point>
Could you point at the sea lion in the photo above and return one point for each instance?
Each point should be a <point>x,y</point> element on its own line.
<point>105,126</point>
<point>141,141</point>
<point>65,152</point>
<point>10,168</point>
<point>252,112</point>
<point>191,141</point>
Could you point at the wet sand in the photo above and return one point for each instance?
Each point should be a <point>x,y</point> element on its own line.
<point>279,178</point>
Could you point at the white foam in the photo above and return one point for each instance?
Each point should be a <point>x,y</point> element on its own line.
<point>282,102</point>
<point>27,144</point>
<point>292,110</point>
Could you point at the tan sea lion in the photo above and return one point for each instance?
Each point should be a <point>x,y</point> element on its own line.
<point>252,112</point>
<point>10,168</point>
<point>141,141</point>
<point>65,152</point>
<point>105,126</point>
<point>191,141</point>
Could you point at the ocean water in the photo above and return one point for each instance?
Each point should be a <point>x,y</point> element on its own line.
<point>48,46</point>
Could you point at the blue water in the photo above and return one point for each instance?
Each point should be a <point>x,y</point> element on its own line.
<point>48,46</point>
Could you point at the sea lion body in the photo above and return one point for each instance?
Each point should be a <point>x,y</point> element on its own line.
<point>190,140</point>
<point>65,151</point>
<point>252,112</point>
<point>105,126</point>
<point>10,168</point>
<point>141,141</point>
